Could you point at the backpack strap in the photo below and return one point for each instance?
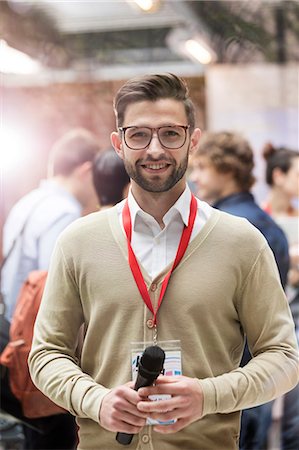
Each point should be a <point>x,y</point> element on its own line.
<point>6,257</point>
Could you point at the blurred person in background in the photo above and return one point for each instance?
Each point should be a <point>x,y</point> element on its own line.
<point>110,178</point>
<point>222,171</point>
<point>30,233</point>
<point>47,210</point>
<point>282,177</point>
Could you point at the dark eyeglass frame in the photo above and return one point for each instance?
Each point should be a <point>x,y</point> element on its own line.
<point>185,127</point>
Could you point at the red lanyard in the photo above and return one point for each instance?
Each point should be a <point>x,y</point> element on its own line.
<point>185,238</point>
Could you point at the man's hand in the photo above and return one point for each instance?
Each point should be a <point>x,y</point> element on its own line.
<point>119,411</point>
<point>185,404</point>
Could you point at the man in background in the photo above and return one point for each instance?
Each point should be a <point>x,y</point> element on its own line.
<point>30,233</point>
<point>222,170</point>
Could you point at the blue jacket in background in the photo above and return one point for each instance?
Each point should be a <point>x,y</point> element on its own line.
<point>243,204</point>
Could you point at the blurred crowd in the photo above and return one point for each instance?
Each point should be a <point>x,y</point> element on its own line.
<point>82,178</point>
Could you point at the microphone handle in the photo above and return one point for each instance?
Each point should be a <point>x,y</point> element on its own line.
<point>126,438</point>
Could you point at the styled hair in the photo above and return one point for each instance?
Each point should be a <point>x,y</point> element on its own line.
<point>229,153</point>
<point>277,158</point>
<point>74,148</point>
<point>152,88</point>
<point>109,177</point>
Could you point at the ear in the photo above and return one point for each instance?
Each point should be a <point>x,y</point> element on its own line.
<point>117,143</point>
<point>84,169</point>
<point>278,176</point>
<point>194,141</point>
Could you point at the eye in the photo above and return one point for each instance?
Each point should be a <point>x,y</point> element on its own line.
<point>137,133</point>
<point>170,132</point>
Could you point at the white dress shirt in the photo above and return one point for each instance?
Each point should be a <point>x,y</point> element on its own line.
<point>156,248</point>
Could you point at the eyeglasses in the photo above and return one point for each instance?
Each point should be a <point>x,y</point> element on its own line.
<point>170,137</point>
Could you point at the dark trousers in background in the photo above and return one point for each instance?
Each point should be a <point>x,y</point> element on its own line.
<point>255,424</point>
<point>290,414</point>
<point>58,432</point>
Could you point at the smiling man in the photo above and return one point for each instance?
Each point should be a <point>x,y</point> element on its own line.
<point>162,267</point>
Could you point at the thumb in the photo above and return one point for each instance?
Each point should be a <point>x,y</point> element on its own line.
<point>168,379</point>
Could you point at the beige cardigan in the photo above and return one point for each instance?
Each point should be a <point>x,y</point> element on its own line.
<point>226,286</point>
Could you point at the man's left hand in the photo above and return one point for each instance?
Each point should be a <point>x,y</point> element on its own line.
<point>185,404</point>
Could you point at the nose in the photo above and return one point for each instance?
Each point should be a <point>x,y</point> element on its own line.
<point>154,146</point>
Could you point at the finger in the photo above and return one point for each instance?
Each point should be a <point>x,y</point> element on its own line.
<point>170,387</point>
<point>130,384</point>
<point>129,395</point>
<point>161,406</point>
<point>131,419</point>
<point>168,379</point>
<point>135,412</point>
<point>121,405</point>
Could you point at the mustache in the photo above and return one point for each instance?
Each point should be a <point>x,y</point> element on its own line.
<point>161,159</point>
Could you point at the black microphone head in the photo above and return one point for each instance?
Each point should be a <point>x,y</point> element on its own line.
<point>152,359</point>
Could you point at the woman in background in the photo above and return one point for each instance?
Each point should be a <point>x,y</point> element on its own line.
<point>110,178</point>
<point>282,176</point>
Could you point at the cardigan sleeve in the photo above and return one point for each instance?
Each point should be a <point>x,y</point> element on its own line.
<point>52,361</point>
<point>267,322</point>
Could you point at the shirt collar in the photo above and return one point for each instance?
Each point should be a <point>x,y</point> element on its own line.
<point>181,208</point>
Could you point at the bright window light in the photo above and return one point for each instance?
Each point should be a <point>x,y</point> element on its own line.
<point>14,61</point>
<point>196,50</point>
<point>146,5</point>
<point>15,148</point>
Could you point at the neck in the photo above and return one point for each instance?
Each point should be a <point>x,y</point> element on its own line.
<point>157,203</point>
<point>279,202</point>
<point>68,184</point>
<point>228,189</point>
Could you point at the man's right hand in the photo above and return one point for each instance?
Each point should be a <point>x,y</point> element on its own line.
<point>119,412</point>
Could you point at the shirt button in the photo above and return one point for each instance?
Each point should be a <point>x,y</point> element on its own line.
<point>145,438</point>
<point>150,323</point>
<point>153,287</point>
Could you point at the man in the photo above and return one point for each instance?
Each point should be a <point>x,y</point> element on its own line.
<point>222,171</point>
<point>102,264</point>
<point>30,232</point>
<point>223,174</point>
<point>47,210</point>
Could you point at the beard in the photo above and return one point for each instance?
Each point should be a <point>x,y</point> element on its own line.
<point>156,184</point>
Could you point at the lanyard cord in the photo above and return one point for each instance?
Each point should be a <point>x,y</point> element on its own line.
<point>135,268</point>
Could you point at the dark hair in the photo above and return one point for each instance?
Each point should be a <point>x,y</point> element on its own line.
<point>74,148</point>
<point>109,177</point>
<point>153,88</point>
<point>277,157</point>
<point>229,152</point>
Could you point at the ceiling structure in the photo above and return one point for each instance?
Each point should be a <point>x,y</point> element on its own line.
<point>108,39</point>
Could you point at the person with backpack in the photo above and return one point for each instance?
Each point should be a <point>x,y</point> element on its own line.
<point>30,233</point>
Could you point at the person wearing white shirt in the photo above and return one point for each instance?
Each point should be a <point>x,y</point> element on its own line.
<point>162,266</point>
<point>30,233</point>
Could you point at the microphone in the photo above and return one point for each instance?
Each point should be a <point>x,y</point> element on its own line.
<point>150,366</point>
